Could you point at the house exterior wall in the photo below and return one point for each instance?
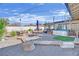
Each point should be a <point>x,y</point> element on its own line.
<point>71,25</point>
<point>74,25</point>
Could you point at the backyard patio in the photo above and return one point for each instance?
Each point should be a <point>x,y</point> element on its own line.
<point>41,34</point>
<point>40,49</point>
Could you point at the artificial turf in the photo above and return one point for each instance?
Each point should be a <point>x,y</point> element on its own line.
<point>64,38</point>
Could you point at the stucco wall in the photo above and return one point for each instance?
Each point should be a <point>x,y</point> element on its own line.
<point>15,28</point>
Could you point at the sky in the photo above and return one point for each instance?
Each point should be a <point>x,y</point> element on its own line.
<point>30,12</point>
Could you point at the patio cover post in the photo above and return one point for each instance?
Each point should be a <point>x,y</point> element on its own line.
<point>76,31</point>
<point>66,23</point>
<point>53,22</point>
<point>70,22</point>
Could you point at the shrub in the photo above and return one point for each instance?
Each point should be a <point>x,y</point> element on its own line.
<point>1,33</point>
<point>30,30</point>
<point>13,33</point>
<point>2,27</point>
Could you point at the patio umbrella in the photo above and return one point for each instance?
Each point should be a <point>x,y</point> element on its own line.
<point>37,24</point>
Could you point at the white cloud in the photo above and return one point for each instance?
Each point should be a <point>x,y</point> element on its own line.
<point>38,3</point>
<point>15,13</point>
<point>60,13</point>
<point>39,18</point>
<point>4,12</point>
<point>27,18</point>
<point>32,18</point>
<point>41,3</point>
<point>13,18</point>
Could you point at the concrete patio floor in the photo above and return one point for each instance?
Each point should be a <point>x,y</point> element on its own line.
<point>40,50</point>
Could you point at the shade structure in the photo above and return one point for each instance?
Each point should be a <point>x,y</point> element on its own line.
<point>73,9</point>
<point>37,24</point>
